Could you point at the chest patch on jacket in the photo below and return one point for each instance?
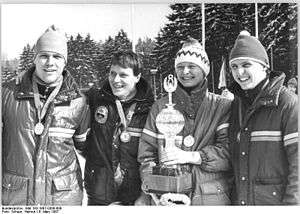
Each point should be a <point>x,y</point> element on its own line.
<point>101,114</point>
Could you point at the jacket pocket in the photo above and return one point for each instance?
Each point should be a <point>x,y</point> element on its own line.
<point>268,191</point>
<point>215,192</point>
<point>99,185</point>
<point>14,189</point>
<point>130,189</point>
<point>67,190</point>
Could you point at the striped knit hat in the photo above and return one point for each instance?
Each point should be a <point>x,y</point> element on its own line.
<point>192,51</point>
<point>249,47</point>
<point>52,40</point>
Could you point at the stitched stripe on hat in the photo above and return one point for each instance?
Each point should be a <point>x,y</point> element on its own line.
<point>191,54</point>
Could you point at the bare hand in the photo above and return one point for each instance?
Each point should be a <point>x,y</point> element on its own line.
<point>175,156</point>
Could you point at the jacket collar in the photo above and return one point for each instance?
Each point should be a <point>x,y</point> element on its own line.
<point>68,91</point>
<point>269,94</point>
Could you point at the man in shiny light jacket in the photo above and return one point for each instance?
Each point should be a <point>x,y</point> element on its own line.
<point>43,118</point>
<point>263,129</point>
<point>118,114</point>
<point>203,142</point>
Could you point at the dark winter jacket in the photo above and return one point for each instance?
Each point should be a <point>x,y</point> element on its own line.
<point>101,154</point>
<point>41,169</point>
<point>264,144</point>
<point>206,119</point>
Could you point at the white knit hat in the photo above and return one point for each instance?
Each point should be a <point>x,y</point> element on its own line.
<point>52,40</point>
<point>192,51</point>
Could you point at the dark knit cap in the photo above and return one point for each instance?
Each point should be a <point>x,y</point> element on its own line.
<point>249,47</point>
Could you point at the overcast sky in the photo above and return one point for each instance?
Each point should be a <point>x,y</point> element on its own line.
<point>22,24</point>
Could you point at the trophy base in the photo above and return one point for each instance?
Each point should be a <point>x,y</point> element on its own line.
<point>161,184</point>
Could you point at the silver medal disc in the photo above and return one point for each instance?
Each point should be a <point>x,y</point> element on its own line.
<point>188,141</point>
<point>38,128</point>
<point>125,137</point>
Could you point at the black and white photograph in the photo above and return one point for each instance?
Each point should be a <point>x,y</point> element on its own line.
<point>148,104</point>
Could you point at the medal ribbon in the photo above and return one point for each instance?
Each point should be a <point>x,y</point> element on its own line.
<point>122,115</point>
<point>41,111</point>
<point>118,172</point>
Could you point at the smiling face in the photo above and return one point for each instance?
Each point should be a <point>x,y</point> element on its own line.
<point>49,66</point>
<point>247,73</point>
<point>123,82</point>
<point>189,74</point>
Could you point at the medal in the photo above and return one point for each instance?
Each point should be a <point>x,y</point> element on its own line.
<point>188,141</point>
<point>42,108</point>
<point>38,128</point>
<point>125,137</point>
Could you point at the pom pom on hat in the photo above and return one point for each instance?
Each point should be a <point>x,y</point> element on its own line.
<point>192,51</point>
<point>244,33</point>
<point>249,47</point>
<point>52,40</point>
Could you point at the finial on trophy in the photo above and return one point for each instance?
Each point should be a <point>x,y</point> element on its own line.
<point>170,85</point>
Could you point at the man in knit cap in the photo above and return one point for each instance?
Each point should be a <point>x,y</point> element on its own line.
<point>263,129</point>
<point>203,146</point>
<point>44,116</point>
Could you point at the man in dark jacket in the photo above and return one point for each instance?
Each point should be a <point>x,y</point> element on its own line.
<point>202,145</point>
<point>43,117</point>
<point>263,129</point>
<point>118,113</point>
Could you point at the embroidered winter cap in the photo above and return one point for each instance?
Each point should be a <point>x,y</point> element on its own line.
<point>249,47</point>
<point>52,40</point>
<point>192,51</point>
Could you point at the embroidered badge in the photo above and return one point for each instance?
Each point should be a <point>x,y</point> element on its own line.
<point>101,114</point>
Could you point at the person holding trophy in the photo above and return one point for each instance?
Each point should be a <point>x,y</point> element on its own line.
<point>183,149</point>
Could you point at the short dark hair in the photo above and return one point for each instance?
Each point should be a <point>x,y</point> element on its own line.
<point>127,59</point>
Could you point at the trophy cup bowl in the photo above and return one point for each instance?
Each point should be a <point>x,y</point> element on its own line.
<point>170,122</point>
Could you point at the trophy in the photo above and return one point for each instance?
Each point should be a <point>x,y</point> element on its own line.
<point>169,122</point>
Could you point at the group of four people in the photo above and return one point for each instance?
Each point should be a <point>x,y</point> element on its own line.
<point>243,152</point>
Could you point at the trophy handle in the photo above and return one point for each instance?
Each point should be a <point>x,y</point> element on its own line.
<point>170,145</point>
<point>170,85</point>
<point>170,142</point>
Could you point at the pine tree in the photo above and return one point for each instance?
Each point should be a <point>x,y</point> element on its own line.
<point>9,69</point>
<point>144,49</point>
<point>109,47</point>
<point>223,22</point>
<point>26,58</point>
<point>82,60</point>
<point>279,35</point>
